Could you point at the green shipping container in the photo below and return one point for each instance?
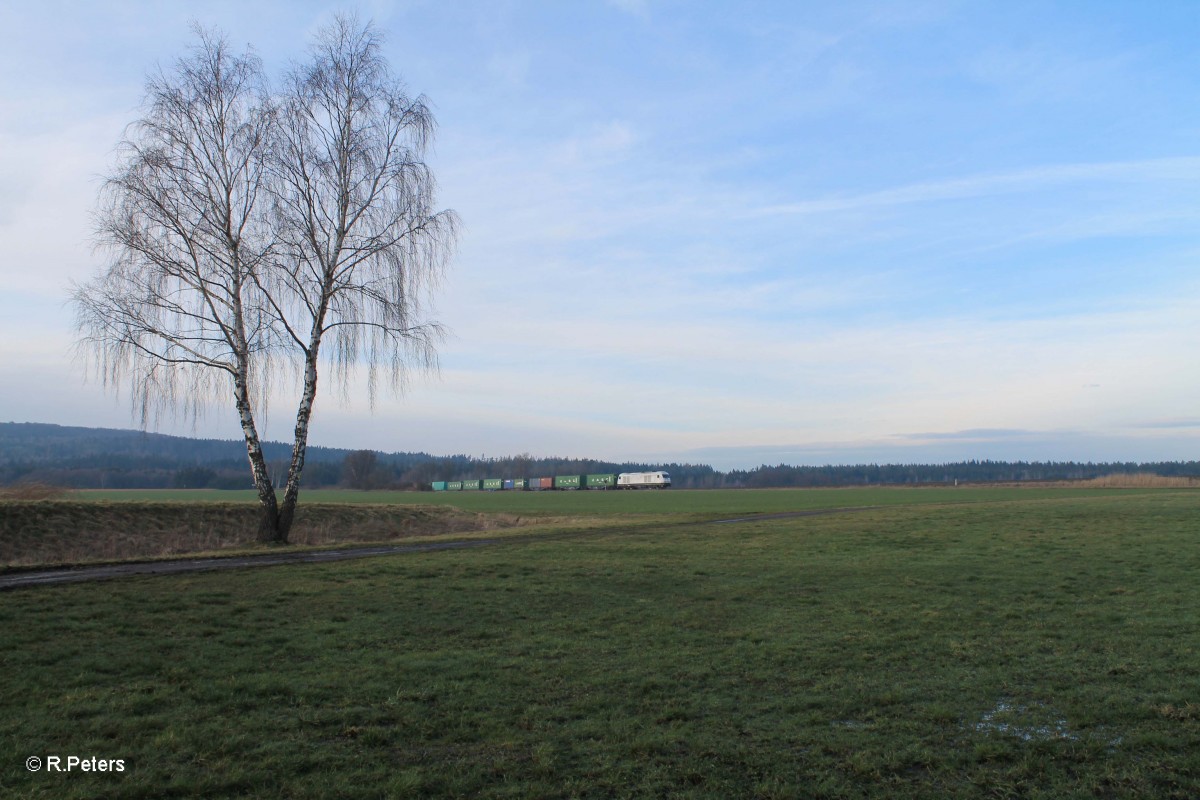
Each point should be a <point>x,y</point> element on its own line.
<point>520,483</point>
<point>454,486</point>
<point>599,481</point>
<point>568,481</point>
<point>439,486</point>
<point>492,484</point>
<point>471,485</point>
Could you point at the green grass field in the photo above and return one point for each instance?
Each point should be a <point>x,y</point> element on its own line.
<point>948,643</point>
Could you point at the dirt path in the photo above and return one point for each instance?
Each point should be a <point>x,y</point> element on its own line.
<point>19,580</point>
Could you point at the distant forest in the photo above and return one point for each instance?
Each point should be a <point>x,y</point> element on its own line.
<point>104,458</point>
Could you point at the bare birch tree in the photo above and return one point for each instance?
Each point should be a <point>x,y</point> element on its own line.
<point>360,244</point>
<point>254,235</point>
<point>178,312</point>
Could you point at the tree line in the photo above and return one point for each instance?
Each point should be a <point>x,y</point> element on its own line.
<point>95,458</point>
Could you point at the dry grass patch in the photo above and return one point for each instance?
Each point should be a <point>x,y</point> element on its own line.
<point>1188,712</point>
<point>33,490</point>
<point>47,532</point>
<point>1141,480</point>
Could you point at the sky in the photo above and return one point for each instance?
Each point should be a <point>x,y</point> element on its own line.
<point>706,232</point>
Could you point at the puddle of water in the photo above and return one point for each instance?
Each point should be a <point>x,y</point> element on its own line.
<point>854,724</point>
<point>1031,723</point>
<point>1036,722</point>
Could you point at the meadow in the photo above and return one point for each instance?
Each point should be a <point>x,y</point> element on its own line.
<point>964,643</point>
<point>64,528</point>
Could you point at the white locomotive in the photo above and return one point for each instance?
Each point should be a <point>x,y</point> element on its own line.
<point>643,480</point>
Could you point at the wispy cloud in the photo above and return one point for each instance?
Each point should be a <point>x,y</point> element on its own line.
<point>1044,73</point>
<point>1170,424</point>
<point>638,8</point>
<point>600,146</point>
<point>1080,445</point>
<point>1174,170</point>
<point>973,435</point>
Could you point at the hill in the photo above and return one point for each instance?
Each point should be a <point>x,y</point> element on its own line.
<point>128,459</point>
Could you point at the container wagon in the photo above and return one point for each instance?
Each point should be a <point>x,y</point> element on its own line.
<point>604,481</point>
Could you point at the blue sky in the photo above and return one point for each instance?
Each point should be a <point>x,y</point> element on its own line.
<point>728,233</point>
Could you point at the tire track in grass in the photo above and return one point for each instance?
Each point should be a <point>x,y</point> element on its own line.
<point>50,577</point>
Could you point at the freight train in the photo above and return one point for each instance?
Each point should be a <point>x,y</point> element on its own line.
<point>623,480</point>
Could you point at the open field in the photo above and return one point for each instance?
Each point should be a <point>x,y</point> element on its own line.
<point>711,501</point>
<point>96,526</point>
<point>1041,647</point>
